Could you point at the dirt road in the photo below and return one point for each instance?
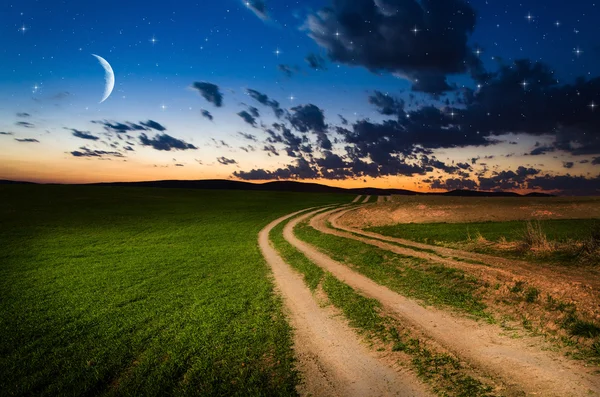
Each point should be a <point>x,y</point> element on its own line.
<point>519,363</point>
<point>331,358</point>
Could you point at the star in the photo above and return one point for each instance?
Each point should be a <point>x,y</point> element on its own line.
<point>557,23</point>
<point>23,29</point>
<point>278,52</point>
<point>524,84</point>
<point>593,106</point>
<point>163,107</point>
<point>153,40</point>
<point>529,17</point>
<point>415,30</point>
<point>292,98</point>
<point>577,51</point>
<point>478,51</point>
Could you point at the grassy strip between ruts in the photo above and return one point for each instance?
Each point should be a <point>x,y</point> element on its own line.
<point>134,291</point>
<point>413,277</point>
<point>443,371</point>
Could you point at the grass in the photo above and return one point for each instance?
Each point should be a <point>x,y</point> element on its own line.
<point>141,292</point>
<point>547,240</point>
<point>409,276</point>
<point>443,371</point>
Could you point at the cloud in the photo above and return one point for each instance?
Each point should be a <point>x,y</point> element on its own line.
<point>302,170</point>
<point>249,137</point>
<point>248,118</point>
<point>210,92</point>
<point>153,125</point>
<point>119,128</point>
<point>386,104</point>
<point>24,124</point>
<point>596,161</point>
<point>226,161</point>
<point>27,140</point>
<point>380,36</point>
<point>271,149</point>
<point>84,135</point>
<point>206,114</point>
<point>86,152</point>
<point>508,180</point>
<point>566,184</point>
<point>310,118</point>
<point>288,70</point>
<point>23,115</point>
<point>568,164</point>
<point>316,61</point>
<point>5,133</point>
<point>264,100</point>
<point>454,184</point>
<point>258,7</point>
<point>540,150</point>
<point>164,142</point>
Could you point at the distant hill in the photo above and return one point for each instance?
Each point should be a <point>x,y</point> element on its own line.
<point>292,186</point>
<point>7,182</point>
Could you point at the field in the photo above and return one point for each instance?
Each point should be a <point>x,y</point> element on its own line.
<point>141,291</point>
<point>137,291</point>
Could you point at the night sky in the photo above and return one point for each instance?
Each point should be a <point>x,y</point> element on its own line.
<point>427,95</point>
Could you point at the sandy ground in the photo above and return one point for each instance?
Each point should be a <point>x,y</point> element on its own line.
<point>366,200</point>
<point>356,199</point>
<point>424,209</point>
<point>331,358</point>
<point>519,363</point>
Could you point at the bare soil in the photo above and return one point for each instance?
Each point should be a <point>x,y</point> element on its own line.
<point>331,358</point>
<point>520,364</point>
<point>433,209</point>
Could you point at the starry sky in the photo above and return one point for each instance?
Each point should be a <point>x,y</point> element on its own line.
<point>427,95</point>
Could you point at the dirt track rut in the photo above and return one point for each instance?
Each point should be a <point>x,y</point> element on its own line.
<point>331,358</point>
<point>517,362</point>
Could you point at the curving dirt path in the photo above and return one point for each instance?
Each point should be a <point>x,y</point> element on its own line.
<point>356,199</point>
<point>366,200</point>
<point>517,362</point>
<point>331,358</point>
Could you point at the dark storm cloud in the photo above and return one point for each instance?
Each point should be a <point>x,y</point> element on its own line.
<point>27,140</point>
<point>248,118</point>
<point>24,124</point>
<point>266,101</point>
<point>23,115</point>
<point>206,114</point>
<point>249,137</point>
<point>164,142</point>
<point>151,124</point>
<point>210,92</point>
<point>454,184</point>
<point>258,7</point>
<point>226,161</point>
<point>301,170</point>
<point>310,118</point>
<point>379,36</point>
<point>316,62</point>
<point>86,152</point>
<point>83,135</point>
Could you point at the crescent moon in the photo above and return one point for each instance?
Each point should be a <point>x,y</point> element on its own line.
<point>109,77</point>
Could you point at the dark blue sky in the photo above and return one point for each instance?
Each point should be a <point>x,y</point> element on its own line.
<point>413,54</point>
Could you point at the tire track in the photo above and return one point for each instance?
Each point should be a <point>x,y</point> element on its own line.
<point>516,362</point>
<point>331,358</point>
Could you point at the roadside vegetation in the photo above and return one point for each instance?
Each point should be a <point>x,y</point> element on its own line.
<point>558,242</point>
<point>443,371</point>
<point>134,291</point>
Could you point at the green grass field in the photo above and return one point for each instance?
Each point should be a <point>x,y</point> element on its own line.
<point>565,236</point>
<point>141,292</point>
